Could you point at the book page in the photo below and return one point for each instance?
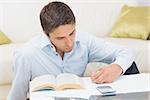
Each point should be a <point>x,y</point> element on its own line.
<point>43,82</point>
<point>68,80</point>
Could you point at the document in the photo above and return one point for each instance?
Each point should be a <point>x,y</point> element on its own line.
<point>132,83</point>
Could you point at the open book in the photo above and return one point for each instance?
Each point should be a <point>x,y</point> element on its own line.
<point>61,82</point>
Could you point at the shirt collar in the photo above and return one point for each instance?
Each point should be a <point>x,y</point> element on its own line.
<point>45,41</point>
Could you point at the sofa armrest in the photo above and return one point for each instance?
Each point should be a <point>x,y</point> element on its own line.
<point>6,58</point>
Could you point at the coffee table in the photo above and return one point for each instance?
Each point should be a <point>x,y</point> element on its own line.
<point>125,96</point>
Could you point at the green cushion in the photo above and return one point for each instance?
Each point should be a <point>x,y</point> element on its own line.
<point>4,39</point>
<point>133,22</point>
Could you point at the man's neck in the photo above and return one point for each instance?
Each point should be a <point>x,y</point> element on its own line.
<point>60,53</point>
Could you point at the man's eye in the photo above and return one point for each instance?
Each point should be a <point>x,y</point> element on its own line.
<point>71,34</point>
<point>60,38</point>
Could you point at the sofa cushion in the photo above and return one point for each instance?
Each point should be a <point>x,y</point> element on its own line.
<point>4,90</point>
<point>141,50</point>
<point>6,57</point>
<point>133,22</point>
<point>4,39</point>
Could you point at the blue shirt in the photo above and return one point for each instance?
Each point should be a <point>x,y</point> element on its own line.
<point>39,57</point>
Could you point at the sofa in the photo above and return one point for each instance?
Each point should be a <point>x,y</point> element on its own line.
<point>21,23</point>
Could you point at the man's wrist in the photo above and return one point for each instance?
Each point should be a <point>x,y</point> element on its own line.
<point>119,68</point>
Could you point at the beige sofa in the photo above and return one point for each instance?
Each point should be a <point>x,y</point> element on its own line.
<point>6,75</point>
<point>98,22</point>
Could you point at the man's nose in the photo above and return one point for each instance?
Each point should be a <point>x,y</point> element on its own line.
<point>68,42</point>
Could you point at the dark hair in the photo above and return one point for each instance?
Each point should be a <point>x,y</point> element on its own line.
<point>55,14</point>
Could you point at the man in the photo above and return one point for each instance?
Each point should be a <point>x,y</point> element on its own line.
<point>61,50</point>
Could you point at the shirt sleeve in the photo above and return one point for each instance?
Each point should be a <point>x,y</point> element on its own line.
<point>102,51</point>
<point>20,85</point>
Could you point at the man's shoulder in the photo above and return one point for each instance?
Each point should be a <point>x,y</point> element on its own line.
<point>82,37</point>
<point>85,37</point>
<point>31,46</point>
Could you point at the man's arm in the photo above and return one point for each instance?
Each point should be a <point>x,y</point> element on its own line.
<point>107,74</point>
<point>20,85</point>
<point>120,59</point>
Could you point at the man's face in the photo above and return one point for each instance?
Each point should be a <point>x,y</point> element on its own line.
<point>63,37</point>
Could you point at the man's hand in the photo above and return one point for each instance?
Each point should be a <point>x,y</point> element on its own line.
<point>107,74</point>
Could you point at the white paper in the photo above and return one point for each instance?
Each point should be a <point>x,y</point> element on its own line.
<point>124,84</point>
<point>132,83</point>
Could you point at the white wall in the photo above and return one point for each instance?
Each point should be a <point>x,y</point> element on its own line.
<point>1,16</point>
<point>19,19</point>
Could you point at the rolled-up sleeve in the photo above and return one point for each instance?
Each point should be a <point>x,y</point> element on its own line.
<point>102,51</point>
<point>20,85</point>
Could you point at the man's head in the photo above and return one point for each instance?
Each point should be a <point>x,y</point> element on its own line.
<point>58,23</point>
